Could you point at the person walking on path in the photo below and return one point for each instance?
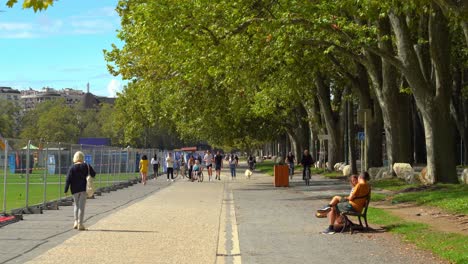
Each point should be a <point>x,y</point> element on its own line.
<point>144,169</point>
<point>218,165</point>
<point>232,166</point>
<point>251,162</point>
<point>76,182</point>
<point>291,159</point>
<point>208,158</point>
<point>177,167</point>
<point>155,163</point>
<point>191,163</point>
<point>170,166</point>
<point>182,166</point>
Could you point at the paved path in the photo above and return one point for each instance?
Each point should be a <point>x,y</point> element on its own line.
<point>239,221</point>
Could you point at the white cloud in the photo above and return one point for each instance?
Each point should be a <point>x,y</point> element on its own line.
<point>16,30</point>
<point>113,87</point>
<point>15,26</point>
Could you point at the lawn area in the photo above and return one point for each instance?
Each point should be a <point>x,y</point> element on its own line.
<point>452,247</point>
<point>452,198</point>
<point>16,188</point>
<point>265,167</point>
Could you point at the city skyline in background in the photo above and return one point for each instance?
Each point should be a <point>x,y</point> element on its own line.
<point>61,47</point>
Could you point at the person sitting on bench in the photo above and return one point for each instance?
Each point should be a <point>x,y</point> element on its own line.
<point>353,180</point>
<point>356,202</point>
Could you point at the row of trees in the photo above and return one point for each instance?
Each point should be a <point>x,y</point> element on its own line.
<point>55,121</point>
<point>242,72</point>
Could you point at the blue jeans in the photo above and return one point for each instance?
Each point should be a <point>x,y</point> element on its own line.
<point>291,168</point>
<point>233,170</point>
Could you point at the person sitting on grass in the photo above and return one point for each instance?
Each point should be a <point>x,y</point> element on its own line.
<point>355,203</point>
<point>353,180</point>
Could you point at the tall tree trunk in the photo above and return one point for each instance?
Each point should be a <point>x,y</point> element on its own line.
<point>332,123</point>
<point>432,95</point>
<point>419,144</point>
<point>394,105</point>
<point>351,137</point>
<point>459,111</point>
<point>375,127</point>
<point>314,123</point>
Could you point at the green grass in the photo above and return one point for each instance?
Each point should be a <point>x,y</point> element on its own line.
<point>452,198</point>
<point>16,188</point>
<point>378,197</point>
<point>452,247</point>
<point>265,167</point>
<point>391,184</point>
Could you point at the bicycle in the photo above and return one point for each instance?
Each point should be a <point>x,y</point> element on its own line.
<point>307,175</point>
<point>200,176</point>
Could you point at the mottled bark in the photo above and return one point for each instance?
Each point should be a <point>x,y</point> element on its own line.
<point>351,137</point>
<point>332,123</point>
<point>393,104</point>
<point>432,95</point>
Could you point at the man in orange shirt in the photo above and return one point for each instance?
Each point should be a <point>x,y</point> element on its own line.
<point>355,202</point>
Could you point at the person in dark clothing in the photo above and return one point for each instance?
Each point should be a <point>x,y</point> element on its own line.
<point>76,182</point>
<point>306,162</point>
<point>218,165</point>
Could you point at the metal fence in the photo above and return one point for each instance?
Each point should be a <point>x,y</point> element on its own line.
<point>34,173</point>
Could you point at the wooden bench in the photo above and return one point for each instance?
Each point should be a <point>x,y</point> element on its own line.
<point>352,226</point>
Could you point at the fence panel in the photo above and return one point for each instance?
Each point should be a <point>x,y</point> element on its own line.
<point>33,173</point>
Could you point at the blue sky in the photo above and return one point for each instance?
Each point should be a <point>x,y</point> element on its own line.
<point>60,47</point>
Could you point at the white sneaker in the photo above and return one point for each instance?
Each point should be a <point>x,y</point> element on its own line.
<point>167,180</point>
<point>172,180</point>
<point>75,225</point>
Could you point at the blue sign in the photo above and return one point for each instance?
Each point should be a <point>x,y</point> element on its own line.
<point>361,136</point>
<point>12,163</point>
<point>51,164</point>
<point>88,159</point>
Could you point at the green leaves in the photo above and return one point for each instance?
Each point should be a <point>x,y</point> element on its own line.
<point>36,5</point>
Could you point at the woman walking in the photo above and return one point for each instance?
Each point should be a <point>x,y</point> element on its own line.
<point>76,182</point>
<point>144,169</point>
<point>233,165</point>
<point>155,163</point>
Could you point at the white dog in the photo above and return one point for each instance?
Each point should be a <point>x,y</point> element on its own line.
<point>248,173</point>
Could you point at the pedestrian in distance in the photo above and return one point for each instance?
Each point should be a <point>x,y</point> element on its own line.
<point>177,167</point>
<point>218,165</point>
<point>155,163</point>
<point>182,166</point>
<point>170,166</point>
<point>291,159</point>
<point>191,163</point>
<point>232,166</point>
<point>76,182</point>
<point>208,158</point>
<point>144,169</point>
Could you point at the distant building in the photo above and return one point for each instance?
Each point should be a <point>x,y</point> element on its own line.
<point>31,98</point>
<point>10,94</point>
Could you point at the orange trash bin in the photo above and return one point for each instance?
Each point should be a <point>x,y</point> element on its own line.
<point>281,178</point>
